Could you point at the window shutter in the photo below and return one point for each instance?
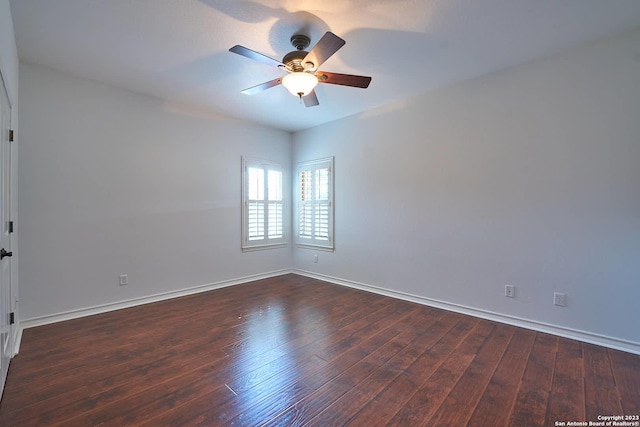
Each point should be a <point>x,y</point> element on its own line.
<point>306,221</point>
<point>255,221</point>
<point>276,221</point>
<point>322,221</point>
<point>314,226</point>
<point>263,205</point>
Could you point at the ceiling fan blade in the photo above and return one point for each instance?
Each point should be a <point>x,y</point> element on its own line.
<point>264,86</point>
<point>251,54</point>
<point>326,46</point>
<point>343,79</point>
<point>311,99</point>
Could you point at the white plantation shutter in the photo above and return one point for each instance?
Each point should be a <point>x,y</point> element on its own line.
<point>314,219</point>
<point>255,221</point>
<point>305,229</point>
<point>276,220</point>
<point>263,205</point>
<point>305,207</point>
<point>321,218</point>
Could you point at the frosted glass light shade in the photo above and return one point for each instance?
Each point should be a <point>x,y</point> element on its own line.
<point>300,84</point>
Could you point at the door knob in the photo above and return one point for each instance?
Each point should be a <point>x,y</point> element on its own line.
<point>4,253</point>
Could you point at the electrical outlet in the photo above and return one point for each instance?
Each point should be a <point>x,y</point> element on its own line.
<point>559,299</point>
<point>509,291</point>
<point>315,259</point>
<point>124,280</point>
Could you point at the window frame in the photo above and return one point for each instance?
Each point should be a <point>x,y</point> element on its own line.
<point>312,242</point>
<point>266,242</point>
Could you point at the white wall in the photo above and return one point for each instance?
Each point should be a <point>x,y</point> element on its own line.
<point>530,177</point>
<point>9,66</point>
<point>8,51</point>
<point>113,182</point>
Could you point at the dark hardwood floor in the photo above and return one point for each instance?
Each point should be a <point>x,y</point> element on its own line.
<point>292,351</point>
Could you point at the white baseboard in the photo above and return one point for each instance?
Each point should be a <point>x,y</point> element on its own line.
<point>74,314</point>
<point>17,338</point>
<point>584,336</point>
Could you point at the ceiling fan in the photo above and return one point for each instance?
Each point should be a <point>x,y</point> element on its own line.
<point>302,67</point>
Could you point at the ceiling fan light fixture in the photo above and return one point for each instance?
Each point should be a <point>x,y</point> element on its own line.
<point>300,83</point>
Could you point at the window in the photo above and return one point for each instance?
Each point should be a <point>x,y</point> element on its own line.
<point>314,205</point>
<point>263,205</point>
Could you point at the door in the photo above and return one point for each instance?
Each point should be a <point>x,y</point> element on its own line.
<point>6,335</point>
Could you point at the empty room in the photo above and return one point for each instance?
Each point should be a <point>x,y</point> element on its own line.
<point>320,213</point>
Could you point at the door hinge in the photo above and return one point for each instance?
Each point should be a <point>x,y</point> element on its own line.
<point>10,135</point>
<point>10,226</point>
<point>12,318</point>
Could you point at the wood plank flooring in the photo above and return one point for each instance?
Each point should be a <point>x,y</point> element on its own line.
<point>294,351</point>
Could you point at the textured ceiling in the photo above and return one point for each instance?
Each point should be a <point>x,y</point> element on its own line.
<point>178,49</point>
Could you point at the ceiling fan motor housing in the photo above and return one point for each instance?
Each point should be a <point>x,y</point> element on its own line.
<point>293,60</point>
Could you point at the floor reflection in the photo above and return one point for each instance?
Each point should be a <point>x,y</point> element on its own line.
<point>278,347</point>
